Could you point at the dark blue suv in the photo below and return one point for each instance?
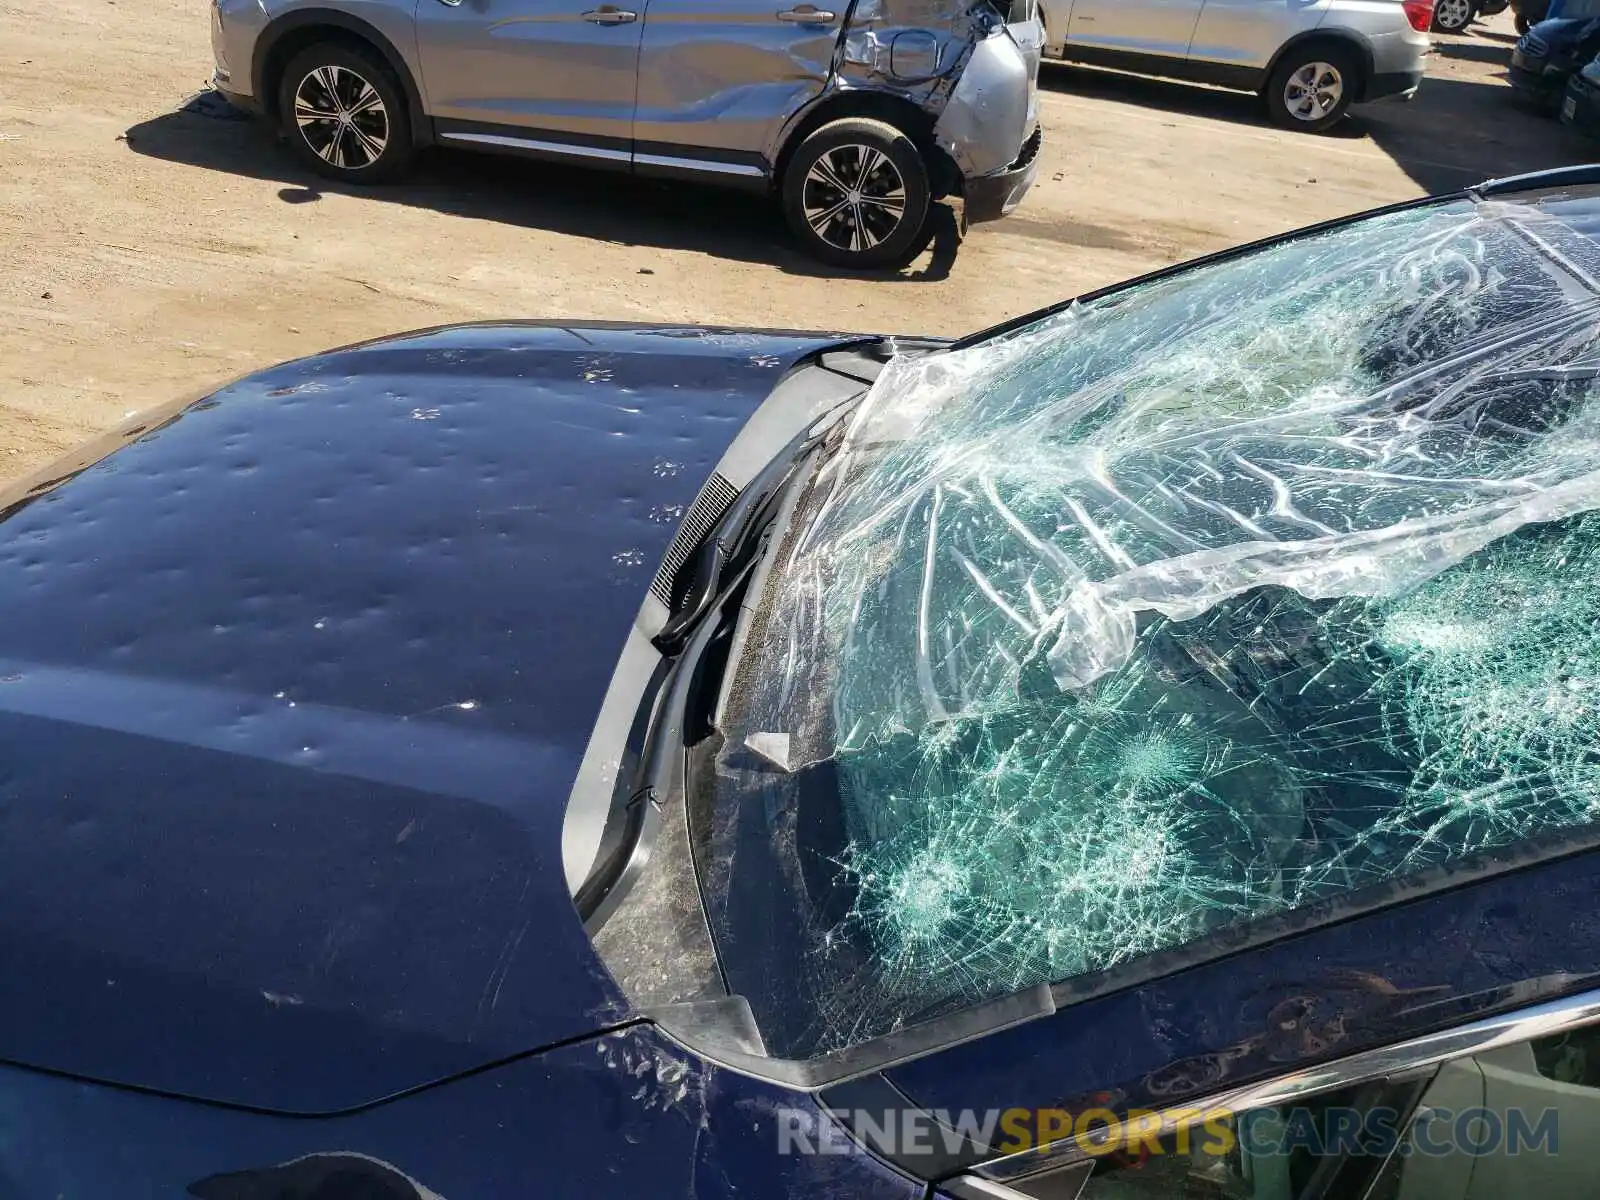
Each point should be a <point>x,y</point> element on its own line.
<point>1147,749</point>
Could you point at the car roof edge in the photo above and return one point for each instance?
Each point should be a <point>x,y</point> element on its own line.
<point>1586,173</point>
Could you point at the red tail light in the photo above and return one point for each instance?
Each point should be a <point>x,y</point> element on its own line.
<point>1419,13</point>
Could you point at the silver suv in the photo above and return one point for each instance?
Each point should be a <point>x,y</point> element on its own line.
<point>857,115</point>
<point>1308,59</point>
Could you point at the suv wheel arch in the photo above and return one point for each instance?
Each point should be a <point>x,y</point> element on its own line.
<point>943,176</point>
<point>294,31</point>
<point>1344,39</point>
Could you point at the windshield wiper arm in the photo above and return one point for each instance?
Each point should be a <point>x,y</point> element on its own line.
<point>683,638</point>
<point>612,879</point>
<point>720,565</point>
<point>726,544</point>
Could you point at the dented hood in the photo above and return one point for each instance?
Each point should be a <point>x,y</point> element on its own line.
<point>293,689</point>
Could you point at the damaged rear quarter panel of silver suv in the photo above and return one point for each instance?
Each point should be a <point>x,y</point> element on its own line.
<point>959,62</point>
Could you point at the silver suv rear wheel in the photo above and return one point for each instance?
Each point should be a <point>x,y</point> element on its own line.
<point>1312,88</point>
<point>1313,91</point>
<point>1453,16</point>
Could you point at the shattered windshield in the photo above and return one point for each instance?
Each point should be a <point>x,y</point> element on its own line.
<point>1236,591</point>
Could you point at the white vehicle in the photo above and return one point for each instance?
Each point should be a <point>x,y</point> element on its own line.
<point>1308,60</point>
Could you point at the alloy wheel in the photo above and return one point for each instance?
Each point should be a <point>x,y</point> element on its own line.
<point>342,117</point>
<point>1313,91</point>
<point>854,197</point>
<point>1452,16</point>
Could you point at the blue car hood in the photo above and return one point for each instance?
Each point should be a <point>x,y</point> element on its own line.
<point>294,685</point>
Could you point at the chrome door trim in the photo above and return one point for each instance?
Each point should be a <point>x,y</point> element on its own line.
<point>518,143</point>
<point>1430,1050</point>
<point>577,150</point>
<point>712,166</point>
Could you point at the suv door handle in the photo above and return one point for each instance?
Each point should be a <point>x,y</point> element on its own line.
<point>807,15</point>
<point>609,14</point>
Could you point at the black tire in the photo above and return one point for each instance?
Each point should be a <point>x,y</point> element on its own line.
<point>869,233</point>
<point>372,146</point>
<point>1453,16</point>
<point>1306,111</point>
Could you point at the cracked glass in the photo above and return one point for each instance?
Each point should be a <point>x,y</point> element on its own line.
<point>1227,594</point>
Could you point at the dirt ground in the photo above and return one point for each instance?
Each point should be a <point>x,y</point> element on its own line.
<point>148,252</point>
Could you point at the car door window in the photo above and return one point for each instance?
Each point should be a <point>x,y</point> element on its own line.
<point>1513,1121</point>
<point>1572,1057</point>
<point>1318,1148</point>
<point>1510,1122</point>
<point>1540,1113</point>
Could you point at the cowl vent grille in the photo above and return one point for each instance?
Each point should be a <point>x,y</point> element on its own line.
<point>713,501</point>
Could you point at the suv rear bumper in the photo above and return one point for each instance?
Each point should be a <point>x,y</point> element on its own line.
<point>1393,83</point>
<point>990,197</point>
<point>1396,57</point>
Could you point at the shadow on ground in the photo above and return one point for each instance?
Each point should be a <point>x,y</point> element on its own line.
<point>1459,132</point>
<point>1474,51</point>
<point>603,206</point>
<point>1455,132</point>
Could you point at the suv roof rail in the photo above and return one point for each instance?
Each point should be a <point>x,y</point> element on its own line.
<point>1555,177</point>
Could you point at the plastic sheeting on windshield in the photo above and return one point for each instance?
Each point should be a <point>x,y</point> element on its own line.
<point>1226,594</point>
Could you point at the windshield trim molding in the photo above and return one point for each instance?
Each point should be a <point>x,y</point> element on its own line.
<point>881,1053</point>
<point>1466,872</point>
<point>1043,1000</point>
<point>1206,260</point>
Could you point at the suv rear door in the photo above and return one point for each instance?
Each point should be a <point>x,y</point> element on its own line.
<point>1160,27</point>
<point>718,77</point>
<point>1249,33</point>
<point>543,74</point>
